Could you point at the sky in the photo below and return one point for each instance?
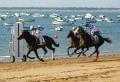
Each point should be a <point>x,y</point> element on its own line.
<point>60,3</point>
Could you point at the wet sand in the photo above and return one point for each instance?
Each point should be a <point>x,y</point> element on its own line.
<point>83,69</point>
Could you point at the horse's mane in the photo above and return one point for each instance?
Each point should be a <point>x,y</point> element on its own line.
<point>82,29</point>
<point>26,32</point>
<point>70,32</point>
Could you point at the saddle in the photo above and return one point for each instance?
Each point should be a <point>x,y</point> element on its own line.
<point>39,42</point>
<point>95,39</point>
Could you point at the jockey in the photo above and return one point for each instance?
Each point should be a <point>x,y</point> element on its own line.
<point>93,31</point>
<point>90,27</point>
<point>39,35</point>
<point>33,30</point>
<point>75,30</point>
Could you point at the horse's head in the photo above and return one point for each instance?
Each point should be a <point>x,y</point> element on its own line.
<point>23,35</point>
<point>70,34</point>
<point>81,30</point>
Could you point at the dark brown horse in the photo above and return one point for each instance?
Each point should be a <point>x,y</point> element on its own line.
<point>86,41</point>
<point>74,43</point>
<point>33,46</point>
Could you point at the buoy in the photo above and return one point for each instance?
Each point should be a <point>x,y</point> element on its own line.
<point>56,36</point>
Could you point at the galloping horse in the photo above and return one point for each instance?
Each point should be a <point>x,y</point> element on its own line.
<point>74,43</point>
<point>86,41</point>
<point>33,46</point>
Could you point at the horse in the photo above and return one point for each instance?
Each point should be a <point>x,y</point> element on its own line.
<point>86,41</point>
<point>74,43</point>
<point>33,45</point>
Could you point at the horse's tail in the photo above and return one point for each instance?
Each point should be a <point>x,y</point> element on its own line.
<point>108,40</point>
<point>55,44</point>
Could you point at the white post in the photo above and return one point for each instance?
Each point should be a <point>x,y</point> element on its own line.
<point>17,44</point>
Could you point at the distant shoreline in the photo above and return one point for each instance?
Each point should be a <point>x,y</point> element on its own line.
<point>60,7</point>
<point>75,9</point>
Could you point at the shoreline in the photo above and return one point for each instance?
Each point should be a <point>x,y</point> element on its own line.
<point>83,69</point>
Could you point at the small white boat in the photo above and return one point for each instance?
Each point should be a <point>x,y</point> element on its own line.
<point>38,15</point>
<point>61,21</point>
<point>8,24</point>
<point>27,20</point>
<point>4,15</point>
<point>100,18</point>
<point>59,28</point>
<point>16,14</point>
<point>78,17</point>
<point>54,15</point>
<point>90,18</point>
<point>108,20</point>
<point>24,14</point>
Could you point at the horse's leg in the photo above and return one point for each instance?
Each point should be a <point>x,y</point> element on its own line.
<point>93,53</point>
<point>81,52</point>
<point>97,54</point>
<point>29,53</point>
<point>53,49</point>
<point>85,51</point>
<point>75,51</point>
<point>96,50</point>
<point>35,51</point>
<point>45,51</point>
<point>68,51</point>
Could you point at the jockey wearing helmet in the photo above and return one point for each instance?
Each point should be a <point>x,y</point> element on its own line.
<point>74,29</point>
<point>93,31</point>
<point>39,34</point>
<point>33,30</point>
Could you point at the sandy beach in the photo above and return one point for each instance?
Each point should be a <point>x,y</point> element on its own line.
<point>83,69</point>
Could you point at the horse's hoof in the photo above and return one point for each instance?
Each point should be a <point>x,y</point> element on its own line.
<point>24,59</point>
<point>69,55</point>
<point>89,56</point>
<point>84,54</point>
<point>41,60</point>
<point>53,58</point>
<point>72,54</point>
<point>78,56</point>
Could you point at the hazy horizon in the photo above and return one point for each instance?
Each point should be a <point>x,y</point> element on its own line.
<point>61,3</point>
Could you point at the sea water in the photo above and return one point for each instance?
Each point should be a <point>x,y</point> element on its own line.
<point>111,30</point>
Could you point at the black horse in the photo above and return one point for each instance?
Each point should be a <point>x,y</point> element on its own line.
<point>33,46</point>
<point>86,41</point>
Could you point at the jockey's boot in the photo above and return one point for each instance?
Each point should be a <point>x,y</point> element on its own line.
<point>38,41</point>
<point>43,43</point>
